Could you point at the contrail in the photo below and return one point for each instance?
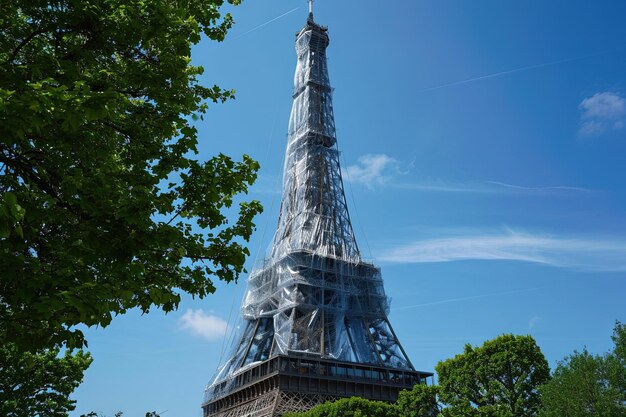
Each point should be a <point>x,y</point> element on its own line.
<point>545,188</point>
<point>513,71</point>
<point>266,23</point>
<point>475,297</point>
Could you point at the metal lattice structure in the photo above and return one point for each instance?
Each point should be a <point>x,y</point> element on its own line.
<point>315,321</point>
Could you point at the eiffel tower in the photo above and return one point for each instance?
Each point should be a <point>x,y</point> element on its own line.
<point>315,324</point>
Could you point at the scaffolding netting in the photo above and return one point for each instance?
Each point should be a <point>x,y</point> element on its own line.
<point>313,294</point>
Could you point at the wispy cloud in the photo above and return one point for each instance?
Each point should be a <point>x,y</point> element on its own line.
<point>373,170</point>
<point>533,322</point>
<point>601,113</point>
<point>588,254</point>
<point>203,325</point>
<point>470,298</point>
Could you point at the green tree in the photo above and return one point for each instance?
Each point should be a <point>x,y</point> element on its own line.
<point>50,380</point>
<point>617,375</point>
<point>100,188</point>
<point>498,379</point>
<point>586,385</point>
<point>421,401</point>
<point>349,407</point>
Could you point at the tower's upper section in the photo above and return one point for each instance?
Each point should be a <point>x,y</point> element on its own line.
<point>314,215</point>
<point>313,108</point>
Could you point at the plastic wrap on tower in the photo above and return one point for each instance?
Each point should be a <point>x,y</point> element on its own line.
<point>313,214</point>
<point>313,295</point>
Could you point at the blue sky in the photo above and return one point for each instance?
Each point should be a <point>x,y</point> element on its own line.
<point>484,153</point>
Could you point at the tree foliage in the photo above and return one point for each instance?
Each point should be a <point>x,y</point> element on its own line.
<point>349,407</point>
<point>421,401</point>
<point>100,191</point>
<point>49,381</point>
<point>499,379</point>
<point>586,385</point>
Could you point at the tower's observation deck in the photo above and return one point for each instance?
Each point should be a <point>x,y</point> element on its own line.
<point>315,314</point>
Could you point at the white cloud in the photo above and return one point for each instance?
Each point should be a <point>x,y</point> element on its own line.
<point>201,324</point>
<point>373,170</point>
<point>601,113</point>
<point>605,105</point>
<point>578,253</point>
<point>533,322</point>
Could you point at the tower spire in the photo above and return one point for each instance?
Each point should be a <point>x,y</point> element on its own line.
<point>310,19</point>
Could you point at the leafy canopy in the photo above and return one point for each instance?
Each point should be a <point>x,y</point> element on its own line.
<point>100,191</point>
<point>421,401</point>
<point>498,379</point>
<point>586,385</point>
<point>45,392</point>
<point>349,407</point>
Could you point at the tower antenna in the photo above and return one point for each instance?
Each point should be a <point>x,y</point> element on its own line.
<point>311,8</point>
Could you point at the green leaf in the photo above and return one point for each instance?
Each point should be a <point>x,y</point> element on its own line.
<point>97,102</point>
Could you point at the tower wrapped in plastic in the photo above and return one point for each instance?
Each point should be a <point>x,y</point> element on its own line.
<point>314,313</point>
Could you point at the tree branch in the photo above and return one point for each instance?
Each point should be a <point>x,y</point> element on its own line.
<point>27,40</point>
